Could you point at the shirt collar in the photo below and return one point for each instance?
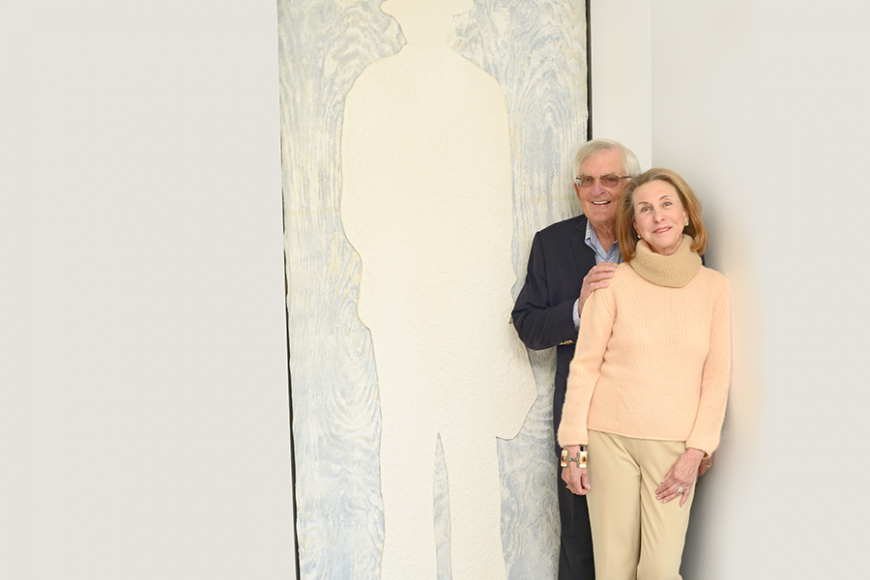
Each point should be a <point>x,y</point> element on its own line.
<point>602,255</point>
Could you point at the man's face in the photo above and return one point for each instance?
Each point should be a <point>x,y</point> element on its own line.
<point>599,199</point>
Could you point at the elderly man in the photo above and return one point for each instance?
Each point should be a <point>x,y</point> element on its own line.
<point>569,260</point>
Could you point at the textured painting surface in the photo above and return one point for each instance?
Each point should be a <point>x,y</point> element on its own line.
<point>535,51</point>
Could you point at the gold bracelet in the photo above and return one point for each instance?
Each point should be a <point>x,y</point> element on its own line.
<point>580,460</point>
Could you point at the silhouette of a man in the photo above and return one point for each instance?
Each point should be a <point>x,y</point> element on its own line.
<point>427,204</point>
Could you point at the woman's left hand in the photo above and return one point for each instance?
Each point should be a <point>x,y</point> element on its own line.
<point>681,477</point>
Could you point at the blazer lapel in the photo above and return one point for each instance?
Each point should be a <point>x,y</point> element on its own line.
<point>584,257</point>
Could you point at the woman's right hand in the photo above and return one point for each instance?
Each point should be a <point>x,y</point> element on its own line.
<point>576,478</point>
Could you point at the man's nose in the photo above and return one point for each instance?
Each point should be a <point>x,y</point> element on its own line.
<point>597,188</point>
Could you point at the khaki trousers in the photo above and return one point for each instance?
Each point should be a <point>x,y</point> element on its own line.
<point>634,536</point>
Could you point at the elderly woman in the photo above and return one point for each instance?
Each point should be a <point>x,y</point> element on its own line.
<point>648,383</point>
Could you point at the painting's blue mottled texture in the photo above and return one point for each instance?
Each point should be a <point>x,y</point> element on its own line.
<point>536,50</point>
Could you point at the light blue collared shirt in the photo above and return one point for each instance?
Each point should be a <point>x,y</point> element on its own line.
<point>611,255</point>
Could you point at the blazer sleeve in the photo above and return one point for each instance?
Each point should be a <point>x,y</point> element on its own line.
<point>715,379</point>
<point>539,323</point>
<point>596,326</point>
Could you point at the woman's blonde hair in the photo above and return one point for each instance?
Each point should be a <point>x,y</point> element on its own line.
<point>625,232</point>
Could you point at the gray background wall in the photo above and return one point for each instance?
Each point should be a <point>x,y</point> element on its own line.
<point>144,430</point>
<point>760,105</point>
<point>123,457</point>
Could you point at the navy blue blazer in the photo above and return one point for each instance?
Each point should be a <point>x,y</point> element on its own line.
<point>542,315</point>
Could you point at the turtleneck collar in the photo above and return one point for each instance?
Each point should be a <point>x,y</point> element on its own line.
<point>672,271</point>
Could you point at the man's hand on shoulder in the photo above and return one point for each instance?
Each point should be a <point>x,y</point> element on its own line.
<point>598,277</point>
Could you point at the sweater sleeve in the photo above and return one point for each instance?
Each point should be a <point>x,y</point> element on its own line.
<point>596,324</point>
<point>715,379</point>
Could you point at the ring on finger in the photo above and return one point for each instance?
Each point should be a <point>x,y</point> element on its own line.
<point>680,490</point>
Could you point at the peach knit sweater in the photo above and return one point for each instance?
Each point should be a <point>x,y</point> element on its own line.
<point>653,356</point>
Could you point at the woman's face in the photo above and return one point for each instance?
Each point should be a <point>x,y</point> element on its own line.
<point>659,216</point>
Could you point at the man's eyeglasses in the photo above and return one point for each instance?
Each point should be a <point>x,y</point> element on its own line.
<point>609,180</point>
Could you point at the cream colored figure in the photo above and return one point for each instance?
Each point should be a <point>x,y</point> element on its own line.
<point>427,202</point>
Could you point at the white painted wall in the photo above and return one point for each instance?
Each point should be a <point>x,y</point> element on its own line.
<point>129,451</point>
<point>621,85</point>
<point>143,385</point>
<point>761,106</point>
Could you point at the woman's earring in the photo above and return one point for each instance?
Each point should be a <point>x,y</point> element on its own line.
<point>687,224</point>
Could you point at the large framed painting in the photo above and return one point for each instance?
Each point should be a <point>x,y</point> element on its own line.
<point>424,142</point>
